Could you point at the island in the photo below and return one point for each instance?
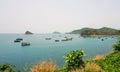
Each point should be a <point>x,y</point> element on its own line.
<point>28,33</point>
<point>100,31</point>
<point>56,32</point>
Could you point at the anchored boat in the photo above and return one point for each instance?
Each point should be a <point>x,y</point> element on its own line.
<point>25,44</point>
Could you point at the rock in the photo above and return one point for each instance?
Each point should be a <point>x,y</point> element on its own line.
<point>28,33</point>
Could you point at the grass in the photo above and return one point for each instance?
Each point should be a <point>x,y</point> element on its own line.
<point>89,67</point>
<point>99,57</point>
<point>51,67</point>
<point>45,67</point>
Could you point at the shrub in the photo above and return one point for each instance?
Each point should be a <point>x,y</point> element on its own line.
<point>74,59</point>
<point>8,68</point>
<point>44,67</point>
<point>117,45</point>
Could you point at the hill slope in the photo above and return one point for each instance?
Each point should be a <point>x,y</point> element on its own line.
<point>101,31</point>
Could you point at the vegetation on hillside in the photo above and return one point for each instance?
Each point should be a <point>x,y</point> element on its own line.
<point>101,31</point>
<point>117,45</point>
<point>111,62</point>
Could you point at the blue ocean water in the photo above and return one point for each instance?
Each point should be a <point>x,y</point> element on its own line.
<point>41,49</point>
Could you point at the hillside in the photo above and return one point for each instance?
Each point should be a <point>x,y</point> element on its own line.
<point>101,31</point>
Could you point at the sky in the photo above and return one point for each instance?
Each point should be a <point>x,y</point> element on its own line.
<point>47,16</point>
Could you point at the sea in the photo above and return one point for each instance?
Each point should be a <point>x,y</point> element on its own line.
<point>41,49</point>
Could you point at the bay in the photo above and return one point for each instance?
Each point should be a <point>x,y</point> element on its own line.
<point>49,50</point>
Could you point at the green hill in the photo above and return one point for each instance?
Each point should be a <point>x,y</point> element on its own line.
<point>101,31</point>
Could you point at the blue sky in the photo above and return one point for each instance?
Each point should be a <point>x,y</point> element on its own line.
<point>47,16</point>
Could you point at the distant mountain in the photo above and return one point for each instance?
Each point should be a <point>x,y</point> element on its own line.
<point>28,33</point>
<point>56,33</point>
<point>101,31</point>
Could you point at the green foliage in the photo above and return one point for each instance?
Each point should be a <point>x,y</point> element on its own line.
<point>117,45</point>
<point>111,63</point>
<point>7,68</point>
<point>101,31</point>
<point>74,59</point>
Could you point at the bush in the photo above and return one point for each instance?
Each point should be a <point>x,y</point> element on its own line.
<point>117,45</point>
<point>7,68</point>
<point>74,59</point>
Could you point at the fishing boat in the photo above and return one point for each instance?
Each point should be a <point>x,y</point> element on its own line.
<point>16,40</point>
<point>57,40</point>
<point>25,44</point>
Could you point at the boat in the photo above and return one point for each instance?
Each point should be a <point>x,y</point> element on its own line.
<point>57,40</point>
<point>67,38</point>
<point>63,40</point>
<point>25,44</point>
<point>16,40</point>
<point>99,37</point>
<point>19,39</point>
<point>47,38</point>
<point>102,39</point>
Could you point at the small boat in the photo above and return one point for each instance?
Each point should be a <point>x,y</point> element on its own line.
<point>99,37</point>
<point>47,38</point>
<point>67,39</point>
<point>16,40</point>
<point>25,44</point>
<point>64,40</point>
<point>102,39</point>
<point>105,38</point>
<point>57,40</point>
<point>19,39</point>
